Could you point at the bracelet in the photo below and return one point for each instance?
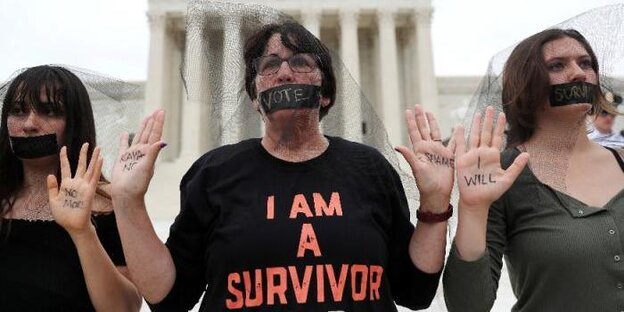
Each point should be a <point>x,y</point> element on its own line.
<point>431,217</point>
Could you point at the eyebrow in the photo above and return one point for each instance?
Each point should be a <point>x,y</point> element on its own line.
<point>563,58</point>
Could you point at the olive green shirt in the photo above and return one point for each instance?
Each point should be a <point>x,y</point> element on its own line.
<point>561,254</point>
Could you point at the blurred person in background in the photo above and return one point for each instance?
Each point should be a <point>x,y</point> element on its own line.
<point>602,131</point>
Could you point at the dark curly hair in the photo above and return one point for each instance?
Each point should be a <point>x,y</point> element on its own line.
<point>298,39</point>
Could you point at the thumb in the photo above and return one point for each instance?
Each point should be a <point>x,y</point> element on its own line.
<point>517,166</point>
<point>408,155</point>
<point>154,151</point>
<point>52,187</point>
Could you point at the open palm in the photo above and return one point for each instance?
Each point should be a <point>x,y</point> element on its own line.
<point>71,204</point>
<point>134,166</point>
<point>481,180</point>
<point>432,163</point>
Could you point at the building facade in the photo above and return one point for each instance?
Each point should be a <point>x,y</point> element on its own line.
<point>385,46</point>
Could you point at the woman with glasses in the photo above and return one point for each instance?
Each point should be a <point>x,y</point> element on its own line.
<point>292,221</point>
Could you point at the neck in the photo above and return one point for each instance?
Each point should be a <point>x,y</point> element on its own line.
<point>32,200</point>
<point>297,138</point>
<point>36,173</point>
<point>565,132</point>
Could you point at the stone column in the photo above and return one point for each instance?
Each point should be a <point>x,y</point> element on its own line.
<point>391,111</point>
<point>196,121</point>
<point>424,77</point>
<point>232,80</point>
<point>312,20</point>
<point>349,49</point>
<point>160,91</point>
<point>174,101</point>
<point>157,75</point>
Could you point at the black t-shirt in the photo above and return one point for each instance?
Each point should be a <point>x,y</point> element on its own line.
<point>40,269</point>
<point>261,234</point>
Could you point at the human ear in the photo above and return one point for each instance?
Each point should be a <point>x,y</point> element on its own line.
<point>325,101</point>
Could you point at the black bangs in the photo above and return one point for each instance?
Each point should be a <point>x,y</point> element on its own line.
<point>297,39</point>
<point>31,85</point>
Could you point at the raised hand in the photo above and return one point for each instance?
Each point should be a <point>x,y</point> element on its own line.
<point>71,204</point>
<point>134,166</point>
<point>432,163</point>
<point>481,179</point>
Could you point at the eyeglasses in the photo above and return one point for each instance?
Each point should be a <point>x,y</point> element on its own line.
<point>299,63</point>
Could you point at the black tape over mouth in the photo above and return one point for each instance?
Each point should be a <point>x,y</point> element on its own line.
<point>34,147</point>
<point>290,96</point>
<point>572,93</point>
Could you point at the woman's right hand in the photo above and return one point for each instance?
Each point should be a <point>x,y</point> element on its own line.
<point>480,178</point>
<point>134,166</point>
<point>431,162</point>
<point>72,202</point>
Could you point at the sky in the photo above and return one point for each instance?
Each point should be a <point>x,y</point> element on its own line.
<point>112,36</point>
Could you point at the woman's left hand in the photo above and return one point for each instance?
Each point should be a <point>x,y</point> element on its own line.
<point>71,204</point>
<point>134,167</point>
<point>432,163</point>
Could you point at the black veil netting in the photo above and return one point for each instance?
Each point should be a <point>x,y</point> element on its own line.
<point>116,108</point>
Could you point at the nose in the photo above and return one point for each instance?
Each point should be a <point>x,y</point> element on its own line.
<point>285,73</point>
<point>577,73</point>
<point>32,122</point>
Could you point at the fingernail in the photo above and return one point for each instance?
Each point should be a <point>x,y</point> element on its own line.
<point>163,145</point>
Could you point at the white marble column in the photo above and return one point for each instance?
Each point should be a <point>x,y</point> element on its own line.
<point>312,20</point>
<point>424,75</point>
<point>350,54</point>
<point>157,72</point>
<point>389,74</point>
<point>174,102</point>
<point>232,79</point>
<point>159,90</point>
<point>196,119</point>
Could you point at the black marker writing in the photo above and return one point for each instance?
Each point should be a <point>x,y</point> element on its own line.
<point>129,165</point>
<point>479,179</point>
<point>70,192</point>
<point>130,159</point>
<point>71,202</point>
<point>134,155</point>
<point>440,160</point>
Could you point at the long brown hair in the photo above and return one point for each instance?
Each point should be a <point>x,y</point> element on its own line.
<point>526,84</point>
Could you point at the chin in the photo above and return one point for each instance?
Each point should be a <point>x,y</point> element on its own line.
<point>290,113</point>
<point>45,160</point>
